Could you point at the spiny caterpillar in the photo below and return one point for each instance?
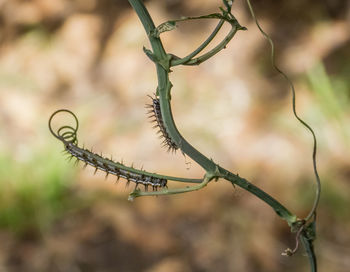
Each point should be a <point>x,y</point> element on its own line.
<point>114,168</point>
<point>156,114</point>
<point>68,136</point>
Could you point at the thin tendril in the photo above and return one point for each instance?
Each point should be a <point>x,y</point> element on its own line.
<point>65,133</point>
<point>318,182</point>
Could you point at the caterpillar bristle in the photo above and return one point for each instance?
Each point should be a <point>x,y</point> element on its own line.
<point>76,162</point>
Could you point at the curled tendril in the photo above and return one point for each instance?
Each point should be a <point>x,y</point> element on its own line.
<point>66,134</point>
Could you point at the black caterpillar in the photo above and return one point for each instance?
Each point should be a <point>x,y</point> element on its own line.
<point>68,136</point>
<point>156,115</point>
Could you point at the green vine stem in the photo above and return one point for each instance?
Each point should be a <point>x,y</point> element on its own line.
<point>138,192</point>
<point>186,59</point>
<point>163,62</point>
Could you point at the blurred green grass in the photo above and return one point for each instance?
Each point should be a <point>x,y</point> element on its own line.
<point>333,94</point>
<point>36,192</point>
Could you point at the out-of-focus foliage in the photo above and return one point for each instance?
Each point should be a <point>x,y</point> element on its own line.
<point>33,192</point>
<point>86,55</point>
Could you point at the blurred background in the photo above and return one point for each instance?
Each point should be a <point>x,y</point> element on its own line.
<point>86,56</point>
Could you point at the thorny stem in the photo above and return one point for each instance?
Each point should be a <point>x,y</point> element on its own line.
<point>163,62</point>
<point>164,86</point>
<point>209,166</point>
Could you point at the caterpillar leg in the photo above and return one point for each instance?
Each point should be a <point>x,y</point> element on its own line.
<point>137,192</point>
